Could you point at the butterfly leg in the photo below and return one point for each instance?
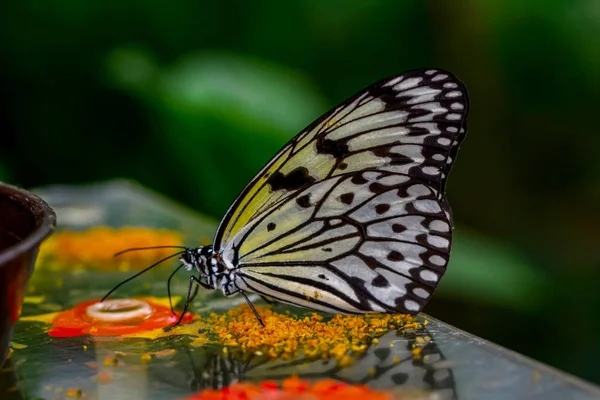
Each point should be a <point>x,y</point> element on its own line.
<point>169,287</point>
<point>193,281</point>
<point>195,293</point>
<point>253,309</point>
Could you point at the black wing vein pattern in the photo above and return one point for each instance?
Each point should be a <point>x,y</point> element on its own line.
<point>350,216</point>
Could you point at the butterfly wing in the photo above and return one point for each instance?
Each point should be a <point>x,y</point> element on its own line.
<point>350,215</point>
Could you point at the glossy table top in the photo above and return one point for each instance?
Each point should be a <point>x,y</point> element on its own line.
<point>453,364</point>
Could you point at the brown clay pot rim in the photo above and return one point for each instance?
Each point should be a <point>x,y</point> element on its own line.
<point>45,221</point>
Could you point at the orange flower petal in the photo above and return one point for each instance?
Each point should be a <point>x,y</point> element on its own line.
<point>96,246</point>
<point>77,321</point>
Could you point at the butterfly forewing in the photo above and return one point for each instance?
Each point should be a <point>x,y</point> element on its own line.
<point>350,215</point>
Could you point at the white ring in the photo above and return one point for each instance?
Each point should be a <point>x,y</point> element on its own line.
<point>108,310</point>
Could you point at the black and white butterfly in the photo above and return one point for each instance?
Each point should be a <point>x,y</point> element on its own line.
<point>349,216</point>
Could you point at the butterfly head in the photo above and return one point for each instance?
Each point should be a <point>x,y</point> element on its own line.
<point>199,259</point>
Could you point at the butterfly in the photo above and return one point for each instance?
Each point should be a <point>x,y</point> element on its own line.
<point>350,216</point>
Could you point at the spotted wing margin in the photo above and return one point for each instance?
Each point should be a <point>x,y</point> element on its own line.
<point>411,123</point>
<point>358,242</point>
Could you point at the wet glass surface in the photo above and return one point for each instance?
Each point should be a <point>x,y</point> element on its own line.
<point>451,363</point>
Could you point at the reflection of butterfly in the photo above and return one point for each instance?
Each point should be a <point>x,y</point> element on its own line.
<point>388,365</point>
<point>350,216</point>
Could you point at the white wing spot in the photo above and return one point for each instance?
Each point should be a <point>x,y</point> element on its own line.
<point>411,305</point>
<point>430,72</point>
<point>422,293</point>
<point>428,206</point>
<point>454,93</point>
<point>439,77</point>
<point>428,276</point>
<point>450,85</point>
<point>430,170</point>
<point>438,241</point>
<point>444,141</point>
<point>421,94</point>
<point>452,129</point>
<point>438,157</point>
<point>439,226</point>
<point>394,81</point>
<point>371,175</point>
<point>407,84</point>
<point>437,260</point>
<point>393,180</point>
<point>457,106</point>
<point>418,190</point>
<point>453,117</point>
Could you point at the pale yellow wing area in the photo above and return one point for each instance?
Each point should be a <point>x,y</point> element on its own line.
<point>297,165</point>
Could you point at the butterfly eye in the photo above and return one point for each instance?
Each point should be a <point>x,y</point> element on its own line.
<point>187,257</point>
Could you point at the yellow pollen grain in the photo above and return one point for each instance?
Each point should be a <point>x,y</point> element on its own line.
<point>286,335</point>
<point>145,358</point>
<point>74,393</point>
<point>416,352</point>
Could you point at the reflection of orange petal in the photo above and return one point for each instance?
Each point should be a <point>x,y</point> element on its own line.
<point>91,364</point>
<point>163,353</point>
<point>104,377</point>
<point>294,385</point>
<point>293,388</point>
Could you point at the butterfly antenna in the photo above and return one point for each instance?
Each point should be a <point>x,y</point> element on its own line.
<point>139,273</point>
<point>147,248</point>
<point>169,287</point>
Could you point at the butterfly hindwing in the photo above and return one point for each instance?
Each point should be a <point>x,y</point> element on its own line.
<point>373,241</point>
<point>350,216</point>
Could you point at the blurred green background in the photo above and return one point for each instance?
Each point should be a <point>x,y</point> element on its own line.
<point>191,98</point>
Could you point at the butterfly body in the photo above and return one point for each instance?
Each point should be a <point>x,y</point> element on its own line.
<point>214,272</point>
<point>350,216</point>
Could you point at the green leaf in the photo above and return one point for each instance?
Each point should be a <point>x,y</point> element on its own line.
<point>219,117</point>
